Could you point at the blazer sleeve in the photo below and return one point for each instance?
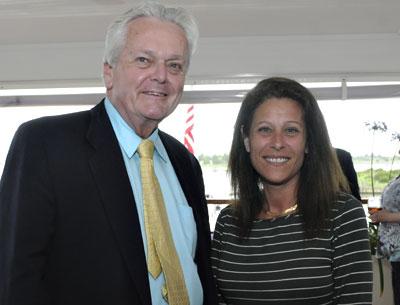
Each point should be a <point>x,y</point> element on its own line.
<point>26,219</point>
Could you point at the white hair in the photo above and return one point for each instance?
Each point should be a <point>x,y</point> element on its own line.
<point>117,31</point>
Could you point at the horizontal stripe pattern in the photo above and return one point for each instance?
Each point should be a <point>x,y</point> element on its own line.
<point>276,264</point>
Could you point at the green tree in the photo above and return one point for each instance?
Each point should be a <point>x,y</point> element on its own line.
<point>374,127</point>
<point>395,137</point>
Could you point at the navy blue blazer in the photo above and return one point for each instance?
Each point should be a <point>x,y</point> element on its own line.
<point>346,163</point>
<point>69,229</point>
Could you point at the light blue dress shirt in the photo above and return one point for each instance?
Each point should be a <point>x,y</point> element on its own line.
<point>179,212</point>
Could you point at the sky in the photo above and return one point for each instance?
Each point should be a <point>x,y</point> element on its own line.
<point>213,124</point>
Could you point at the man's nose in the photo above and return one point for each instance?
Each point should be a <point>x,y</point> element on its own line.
<point>159,72</point>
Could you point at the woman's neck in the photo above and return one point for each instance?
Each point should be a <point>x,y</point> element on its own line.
<point>279,199</point>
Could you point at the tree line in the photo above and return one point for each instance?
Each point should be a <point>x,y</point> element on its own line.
<point>381,176</point>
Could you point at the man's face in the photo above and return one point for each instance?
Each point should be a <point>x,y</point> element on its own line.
<point>147,82</point>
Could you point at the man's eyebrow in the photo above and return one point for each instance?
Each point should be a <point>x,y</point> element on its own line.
<point>153,54</point>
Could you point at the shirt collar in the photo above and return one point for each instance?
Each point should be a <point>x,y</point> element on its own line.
<point>127,137</point>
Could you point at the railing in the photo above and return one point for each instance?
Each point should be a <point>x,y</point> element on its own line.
<point>228,201</point>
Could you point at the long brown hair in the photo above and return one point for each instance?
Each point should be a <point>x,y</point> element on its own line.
<point>321,177</point>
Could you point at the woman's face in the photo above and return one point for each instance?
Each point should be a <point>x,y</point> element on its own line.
<point>277,141</point>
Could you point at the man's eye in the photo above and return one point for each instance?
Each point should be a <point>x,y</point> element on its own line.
<point>142,60</point>
<point>175,67</point>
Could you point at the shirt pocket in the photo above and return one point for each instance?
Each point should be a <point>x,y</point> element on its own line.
<point>188,225</point>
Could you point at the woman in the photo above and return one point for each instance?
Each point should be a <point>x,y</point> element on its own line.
<point>292,237</point>
<point>389,231</point>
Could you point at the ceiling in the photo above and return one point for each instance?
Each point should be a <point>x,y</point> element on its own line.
<point>52,21</point>
<point>58,43</point>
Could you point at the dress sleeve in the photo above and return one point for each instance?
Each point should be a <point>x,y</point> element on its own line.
<point>352,266</point>
<point>26,220</point>
<point>216,252</point>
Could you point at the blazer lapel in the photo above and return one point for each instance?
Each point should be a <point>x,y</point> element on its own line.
<point>180,165</point>
<point>184,171</point>
<point>109,172</point>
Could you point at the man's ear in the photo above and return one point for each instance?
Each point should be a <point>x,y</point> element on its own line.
<point>107,76</point>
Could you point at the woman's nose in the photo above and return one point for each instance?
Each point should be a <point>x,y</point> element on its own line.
<point>277,141</point>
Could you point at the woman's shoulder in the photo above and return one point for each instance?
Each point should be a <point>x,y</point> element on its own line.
<point>391,196</point>
<point>346,198</point>
<point>228,211</point>
<point>347,204</point>
<point>348,215</point>
<point>227,214</point>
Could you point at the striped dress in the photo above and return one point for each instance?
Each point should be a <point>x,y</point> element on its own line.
<point>277,265</point>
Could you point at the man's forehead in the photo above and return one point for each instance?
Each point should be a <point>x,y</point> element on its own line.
<point>150,23</point>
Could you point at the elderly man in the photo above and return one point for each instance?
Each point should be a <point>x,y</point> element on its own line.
<point>101,207</point>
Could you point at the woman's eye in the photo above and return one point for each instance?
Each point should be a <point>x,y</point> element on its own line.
<point>292,130</point>
<point>264,129</point>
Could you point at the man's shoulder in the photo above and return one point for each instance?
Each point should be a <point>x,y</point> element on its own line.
<point>170,140</point>
<point>178,153</point>
<point>342,154</point>
<point>57,120</point>
<point>173,145</point>
<point>61,126</point>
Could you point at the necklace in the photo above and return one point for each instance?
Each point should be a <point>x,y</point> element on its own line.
<point>272,215</point>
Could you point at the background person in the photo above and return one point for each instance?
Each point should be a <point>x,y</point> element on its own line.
<point>292,237</point>
<point>346,163</point>
<point>72,223</point>
<point>389,231</point>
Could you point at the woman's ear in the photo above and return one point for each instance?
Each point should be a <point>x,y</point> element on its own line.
<point>246,144</point>
<point>246,141</point>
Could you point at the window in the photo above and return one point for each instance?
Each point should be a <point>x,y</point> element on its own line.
<point>213,129</point>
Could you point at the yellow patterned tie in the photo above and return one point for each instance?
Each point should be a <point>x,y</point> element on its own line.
<point>161,252</point>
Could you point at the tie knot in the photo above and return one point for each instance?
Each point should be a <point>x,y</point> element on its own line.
<point>146,149</point>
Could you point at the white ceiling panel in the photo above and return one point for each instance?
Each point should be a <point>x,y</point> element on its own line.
<point>59,42</point>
